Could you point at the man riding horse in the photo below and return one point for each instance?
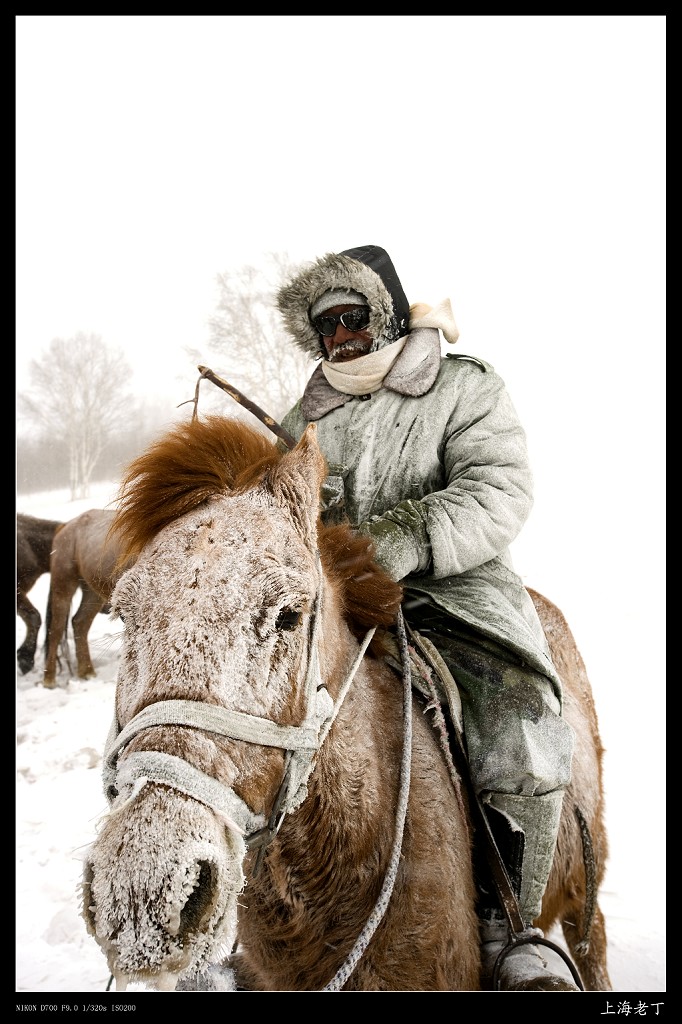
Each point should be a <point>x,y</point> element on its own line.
<point>427,457</point>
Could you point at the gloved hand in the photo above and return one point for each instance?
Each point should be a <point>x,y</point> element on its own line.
<point>396,548</point>
<point>332,491</point>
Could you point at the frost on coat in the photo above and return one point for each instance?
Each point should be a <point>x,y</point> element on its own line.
<point>440,450</point>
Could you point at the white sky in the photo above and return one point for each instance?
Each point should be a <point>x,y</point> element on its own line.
<point>515,164</point>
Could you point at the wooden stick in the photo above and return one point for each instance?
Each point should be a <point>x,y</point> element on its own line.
<point>271,424</point>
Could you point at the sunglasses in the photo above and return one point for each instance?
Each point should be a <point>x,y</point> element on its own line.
<point>353,320</point>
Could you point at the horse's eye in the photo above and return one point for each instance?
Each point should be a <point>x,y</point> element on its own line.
<point>288,618</point>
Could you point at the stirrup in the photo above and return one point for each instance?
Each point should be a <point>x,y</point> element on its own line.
<point>529,939</point>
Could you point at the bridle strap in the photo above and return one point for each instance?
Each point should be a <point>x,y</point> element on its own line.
<point>213,718</point>
<point>154,766</point>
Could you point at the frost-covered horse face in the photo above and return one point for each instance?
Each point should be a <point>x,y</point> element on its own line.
<point>217,610</point>
<point>209,606</point>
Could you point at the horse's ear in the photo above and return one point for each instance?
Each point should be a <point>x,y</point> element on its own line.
<point>296,480</point>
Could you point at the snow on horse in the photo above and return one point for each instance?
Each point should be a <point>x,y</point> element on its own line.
<point>85,556</point>
<point>261,799</point>
<point>34,545</point>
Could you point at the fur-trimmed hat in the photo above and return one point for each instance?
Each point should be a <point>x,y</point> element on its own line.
<point>366,271</point>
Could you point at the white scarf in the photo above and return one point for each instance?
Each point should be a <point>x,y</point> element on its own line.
<point>364,375</point>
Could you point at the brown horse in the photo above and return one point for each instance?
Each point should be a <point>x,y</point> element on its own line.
<point>274,789</point>
<point>34,546</point>
<point>83,556</point>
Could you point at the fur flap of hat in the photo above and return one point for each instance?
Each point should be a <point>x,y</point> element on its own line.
<point>334,272</point>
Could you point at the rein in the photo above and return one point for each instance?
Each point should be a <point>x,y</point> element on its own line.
<point>344,972</point>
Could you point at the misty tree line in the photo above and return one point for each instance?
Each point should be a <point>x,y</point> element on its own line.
<point>80,421</point>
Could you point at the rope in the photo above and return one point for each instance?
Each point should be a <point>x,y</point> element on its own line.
<point>344,689</point>
<point>375,918</point>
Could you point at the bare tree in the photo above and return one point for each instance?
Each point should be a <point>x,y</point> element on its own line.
<point>77,395</point>
<point>248,342</point>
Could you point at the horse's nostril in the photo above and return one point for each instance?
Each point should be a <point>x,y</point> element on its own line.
<point>199,902</point>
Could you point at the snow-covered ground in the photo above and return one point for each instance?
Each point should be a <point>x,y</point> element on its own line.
<point>59,798</point>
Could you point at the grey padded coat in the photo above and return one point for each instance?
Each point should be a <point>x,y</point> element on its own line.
<point>440,449</point>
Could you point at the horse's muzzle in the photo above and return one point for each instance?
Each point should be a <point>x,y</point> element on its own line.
<point>160,887</point>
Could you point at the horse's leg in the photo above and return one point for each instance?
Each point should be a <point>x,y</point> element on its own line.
<point>58,616</point>
<point>31,618</point>
<point>81,622</point>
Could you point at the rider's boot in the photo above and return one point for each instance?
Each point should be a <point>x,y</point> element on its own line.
<point>525,830</point>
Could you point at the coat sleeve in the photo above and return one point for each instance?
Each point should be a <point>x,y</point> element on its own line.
<point>487,495</point>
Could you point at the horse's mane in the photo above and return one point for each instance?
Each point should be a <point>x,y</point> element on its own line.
<point>200,459</point>
<point>183,469</point>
